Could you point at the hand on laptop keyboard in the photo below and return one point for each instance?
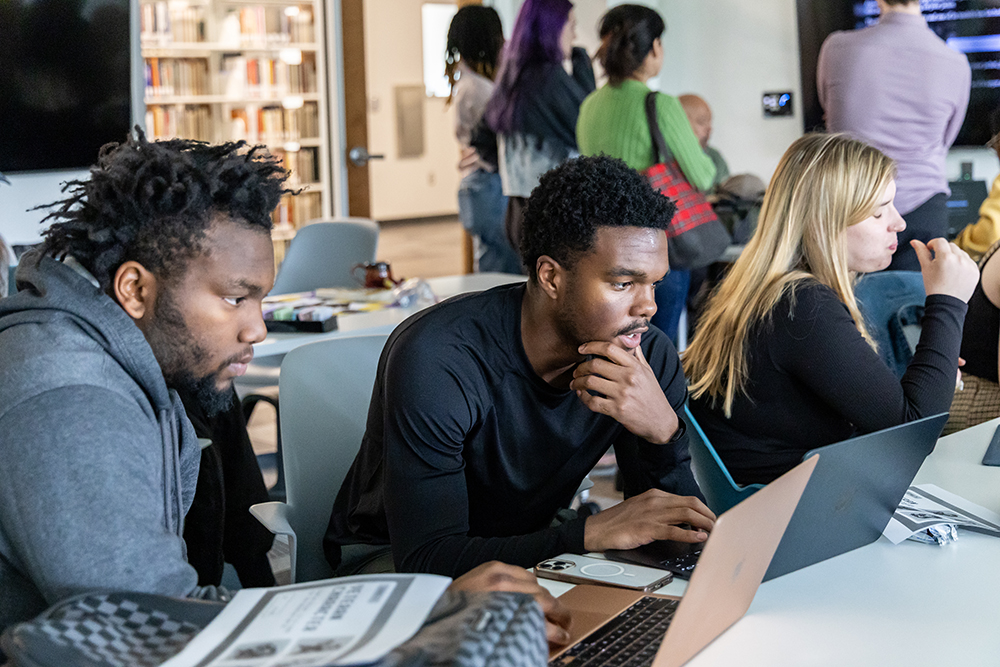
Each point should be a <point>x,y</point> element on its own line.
<point>653,515</point>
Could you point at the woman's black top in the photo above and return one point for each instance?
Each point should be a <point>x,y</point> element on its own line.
<point>982,332</point>
<point>813,380</point>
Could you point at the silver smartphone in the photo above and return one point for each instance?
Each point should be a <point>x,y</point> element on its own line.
<point>576,569</point>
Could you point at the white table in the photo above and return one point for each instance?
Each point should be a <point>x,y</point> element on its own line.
<point>383,321</point>
<point>885,604</point>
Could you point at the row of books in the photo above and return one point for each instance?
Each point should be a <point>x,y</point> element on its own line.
<point>275,25</point>
<point>164,22</point>
<point>273,124</point>
<point>303,165</point>
<point>176,76</point>
<point>189,122</point>
<point>296,210</point>
<point>267,77</point>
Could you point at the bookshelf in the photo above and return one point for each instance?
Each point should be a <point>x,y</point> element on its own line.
<point>222,70</point>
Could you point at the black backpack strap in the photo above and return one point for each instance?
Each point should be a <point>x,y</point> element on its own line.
<point>661,153</point>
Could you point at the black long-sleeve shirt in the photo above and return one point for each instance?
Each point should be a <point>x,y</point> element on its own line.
<point>469,454</point>
<point>812,380</point>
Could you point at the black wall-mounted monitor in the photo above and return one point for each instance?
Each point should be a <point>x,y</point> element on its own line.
<point>65,85</point>
<point>969,26</point>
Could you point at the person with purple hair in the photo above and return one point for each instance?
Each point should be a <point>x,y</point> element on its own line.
<point>536,100</point>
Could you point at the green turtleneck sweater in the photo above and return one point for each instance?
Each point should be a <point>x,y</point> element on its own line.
<point>612,121</point>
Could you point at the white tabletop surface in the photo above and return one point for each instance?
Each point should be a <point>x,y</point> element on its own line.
<point>381,321</point>
<point>908,604</point>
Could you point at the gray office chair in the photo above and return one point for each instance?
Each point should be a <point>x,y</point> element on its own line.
<point>326,387</point>
<point>321,254</point>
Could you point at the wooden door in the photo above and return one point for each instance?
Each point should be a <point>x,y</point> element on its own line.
<point>355,107</point>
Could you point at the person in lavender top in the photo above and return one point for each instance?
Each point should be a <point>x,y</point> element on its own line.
<point>897,86</point>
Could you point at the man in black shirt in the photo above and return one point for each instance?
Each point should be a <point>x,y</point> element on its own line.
<point>489,409</point>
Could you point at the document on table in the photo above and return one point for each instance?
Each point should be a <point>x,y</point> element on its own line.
<point>347,621</point>
<point>928,505</point>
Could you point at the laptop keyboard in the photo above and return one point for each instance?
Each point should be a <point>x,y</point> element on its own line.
<point>631,639</point>
<point>682,566</point>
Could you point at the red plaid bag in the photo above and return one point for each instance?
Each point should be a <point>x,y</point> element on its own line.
<point>696,237</point>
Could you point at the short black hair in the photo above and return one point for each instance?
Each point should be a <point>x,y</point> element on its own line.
<point>571,201</point>
<point>152,202</point>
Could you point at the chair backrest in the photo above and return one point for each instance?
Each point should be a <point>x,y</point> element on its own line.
<point>716,483</point>
<point>323,253</point>
<point>325,390</point>
<point>892,303</point>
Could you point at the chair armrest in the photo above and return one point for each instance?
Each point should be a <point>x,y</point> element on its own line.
<point>274,517</point>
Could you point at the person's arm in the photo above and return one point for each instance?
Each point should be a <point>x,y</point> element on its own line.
<point>583,70</point>
<point>660,490</point>
<point>821,346</point>
<point>681,140</point>
<point>822,70</point>
<point>556,107</point>
<point>963,88</point>
<point>429,412</point>
<point>990,277</point>
<point>82,497</point>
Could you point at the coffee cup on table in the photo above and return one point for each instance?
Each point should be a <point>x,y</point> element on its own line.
<point>376,275</point>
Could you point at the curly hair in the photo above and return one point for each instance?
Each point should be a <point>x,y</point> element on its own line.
<point>571,201</point>
<point>152,202</point>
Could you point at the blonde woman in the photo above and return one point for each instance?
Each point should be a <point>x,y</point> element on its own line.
<point>782,361</point>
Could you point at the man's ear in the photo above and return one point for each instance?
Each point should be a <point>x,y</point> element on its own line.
<point>134,288</point>
<point>551,276</point>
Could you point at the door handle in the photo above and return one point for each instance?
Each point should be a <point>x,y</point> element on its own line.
<point>359,156</point>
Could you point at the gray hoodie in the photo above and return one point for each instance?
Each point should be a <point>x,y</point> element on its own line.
<point>98,461</point>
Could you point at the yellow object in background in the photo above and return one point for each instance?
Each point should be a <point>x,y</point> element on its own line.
<point>978,237</point>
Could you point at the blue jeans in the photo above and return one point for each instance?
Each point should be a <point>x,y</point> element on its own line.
<point>481,208</point>
<point>888,300</point>
<point>671,297</point>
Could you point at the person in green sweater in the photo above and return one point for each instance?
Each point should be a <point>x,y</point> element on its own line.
<point>612,121</point>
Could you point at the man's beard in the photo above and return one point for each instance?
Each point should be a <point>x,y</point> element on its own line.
<point>177,352</point>
<point>568,323</point>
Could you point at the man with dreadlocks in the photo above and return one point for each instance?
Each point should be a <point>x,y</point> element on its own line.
<point>148,282</point>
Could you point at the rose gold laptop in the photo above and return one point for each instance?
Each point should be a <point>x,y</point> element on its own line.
<point>618,626</point>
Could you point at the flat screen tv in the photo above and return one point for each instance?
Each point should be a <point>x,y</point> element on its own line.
<point>65,84</point>
<point>969,26</point>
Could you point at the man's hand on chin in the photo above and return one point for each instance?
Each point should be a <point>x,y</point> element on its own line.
<point>626,390</point>
<point>653,515</point>
<point>496,576</point>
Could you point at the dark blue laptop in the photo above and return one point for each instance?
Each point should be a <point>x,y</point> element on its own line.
<point>852,494</point>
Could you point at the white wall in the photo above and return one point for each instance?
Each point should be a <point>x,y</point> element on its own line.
<point>730,52</point>
<point>19,225</point>
<point>407,187</point>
